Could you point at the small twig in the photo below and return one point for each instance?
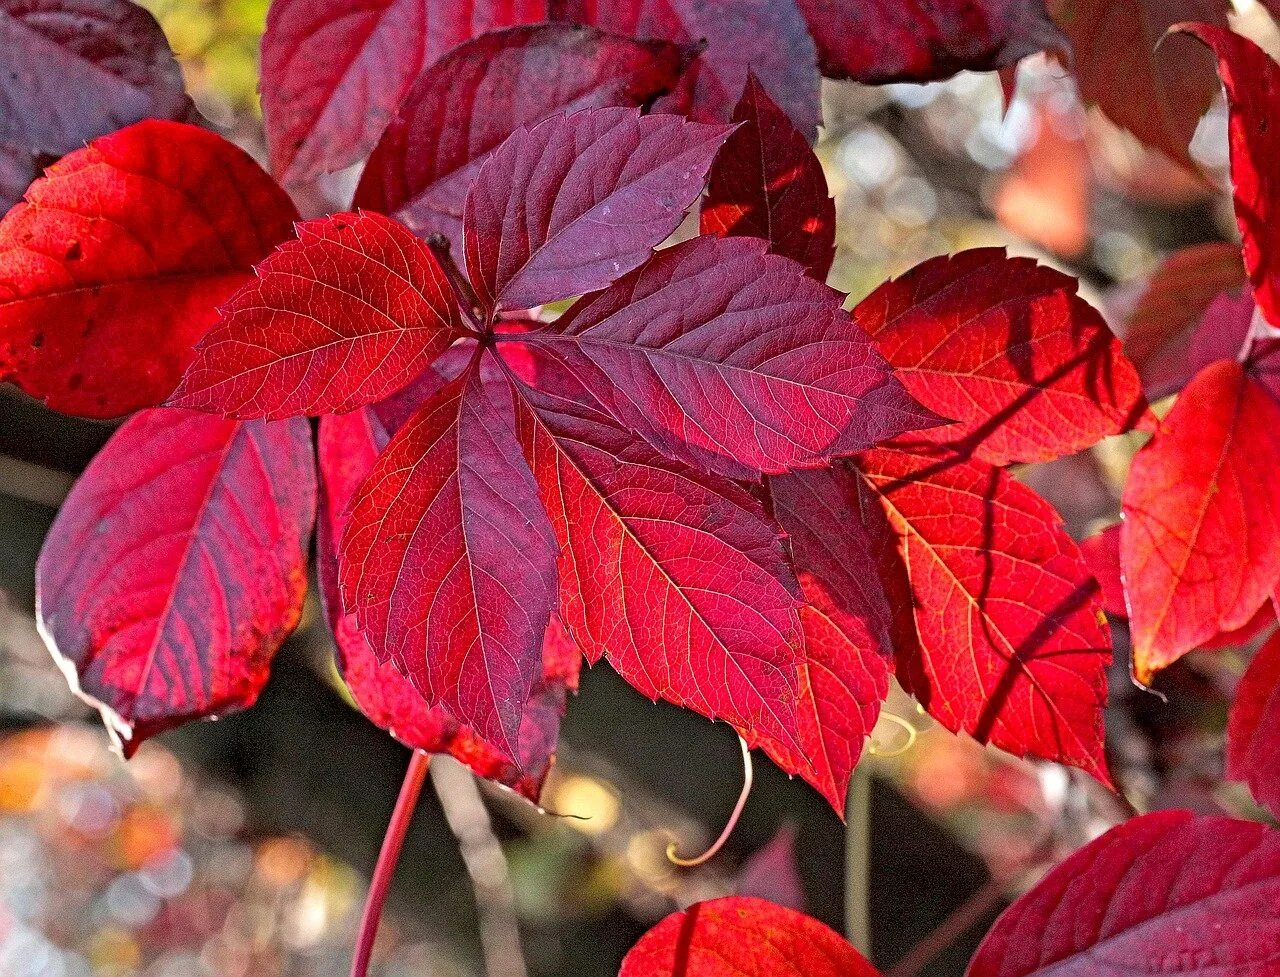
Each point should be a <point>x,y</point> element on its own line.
<point>392,843</point>
<point>486,864</point>
<point>748,777</point>
<point>961,919</point>
<point>33,483</point>
<point>857,861</point>
<point>467,298</point>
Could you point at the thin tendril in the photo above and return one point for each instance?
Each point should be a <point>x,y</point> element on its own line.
<point>912,735</point>
<point>710,853</point>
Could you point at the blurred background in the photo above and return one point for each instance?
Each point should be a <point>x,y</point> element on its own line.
<point>243,847</point>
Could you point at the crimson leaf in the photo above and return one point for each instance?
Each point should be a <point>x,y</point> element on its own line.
<point>463,107</point>
<point>177,566</point>
<point>116,263</point>
<point>591,195</point>
<point>1253,731</point>
<point>1170,893</point>
<point>333,75</point>
<point>349,312</point>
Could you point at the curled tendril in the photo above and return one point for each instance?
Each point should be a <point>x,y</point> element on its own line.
<point>911,731</point>
<point>710,853</point>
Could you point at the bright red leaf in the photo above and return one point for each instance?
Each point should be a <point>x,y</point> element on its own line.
<point>448,562</point>
<point>743,937</point>
<point>591,194</point>
<point>678,577</point>
<point>1252,81</point>
<point>732,360</point>
<point>767,183</point>
<point>1253,731</point>
<point>467,103</point>
<point>1009,643</point>
<point>767,37</point>
<point>877,41</point>
<point>348,447</point>
<point>333,76</point>
<point>177,566</point>
<point>1168,893</point>
<point>1027,368</point>
<point>1157,94</point>
<point>1102,553</point>
<point>75,70</point>
<point>1198,549</point>
<point>115,265</point>
<point>344,315</point>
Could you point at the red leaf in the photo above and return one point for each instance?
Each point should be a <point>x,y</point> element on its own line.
<point>334,75</point>
<point>1252,81</point>
<point>1171,893</point>
<point>115,265</point>
<point>743,937</point>
<point>349,445</point>
<point>1158,95</point>
<point>1005,346</point>
<point>1102,553</point>
<point>448,562</point>
<point>177,566</point>
<point>74,70</point>
<point>679,577</point>
<point>465,105</point>
<point>838,537</point>
<point>574,203</point>
<point>1009,643</point>
<point>1253,732</point>
<point>767,183</point>
<point>877,41</point>
<point>1198,548</point>
<point>732,360</point>
<point>1157,326</point>
<point>767,37</point>
<point>773,874</point>
<point>349,312</point>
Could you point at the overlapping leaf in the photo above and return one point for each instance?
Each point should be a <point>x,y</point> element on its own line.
<point>1198,548</point>
<point>877,41</point>
<point>733,360</point>
<point>743,937</point>
<point>467,103</point>
<point>1001,636</point>
<point>767,183</point>
<point>75,70</point>
<point>767,37</point>
<point>347,313</point>
<point>571,205</point>
<point>116,263</point>
<point>1027,368</point>
<point>177,566</point>
<point>334,76</point>
<point>348,448</point>
<point>1253,731</point>
<point>1169,893</point>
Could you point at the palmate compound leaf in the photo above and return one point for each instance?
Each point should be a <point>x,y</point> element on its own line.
<point>116,263</point>
<point>767,37</point>
<point>732,360</point>
<point>1252,82</point>
<point>678,577</point>
<point>1170,893</point>
<point>348,447</point>
<point>572,204</point>
<point>448,561</point>
<point>1027,368</point>
<point>878,41</point>
<point>1198,549</point>
<point>177,566</point>
<point>75,70</point>
<point>739,936</point>
<point>1000,633</point>
<point>333,76</point>
<point>1253,729</point>
<point>344,315</point>
<point>463,107</point>
<point>767,183</point>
